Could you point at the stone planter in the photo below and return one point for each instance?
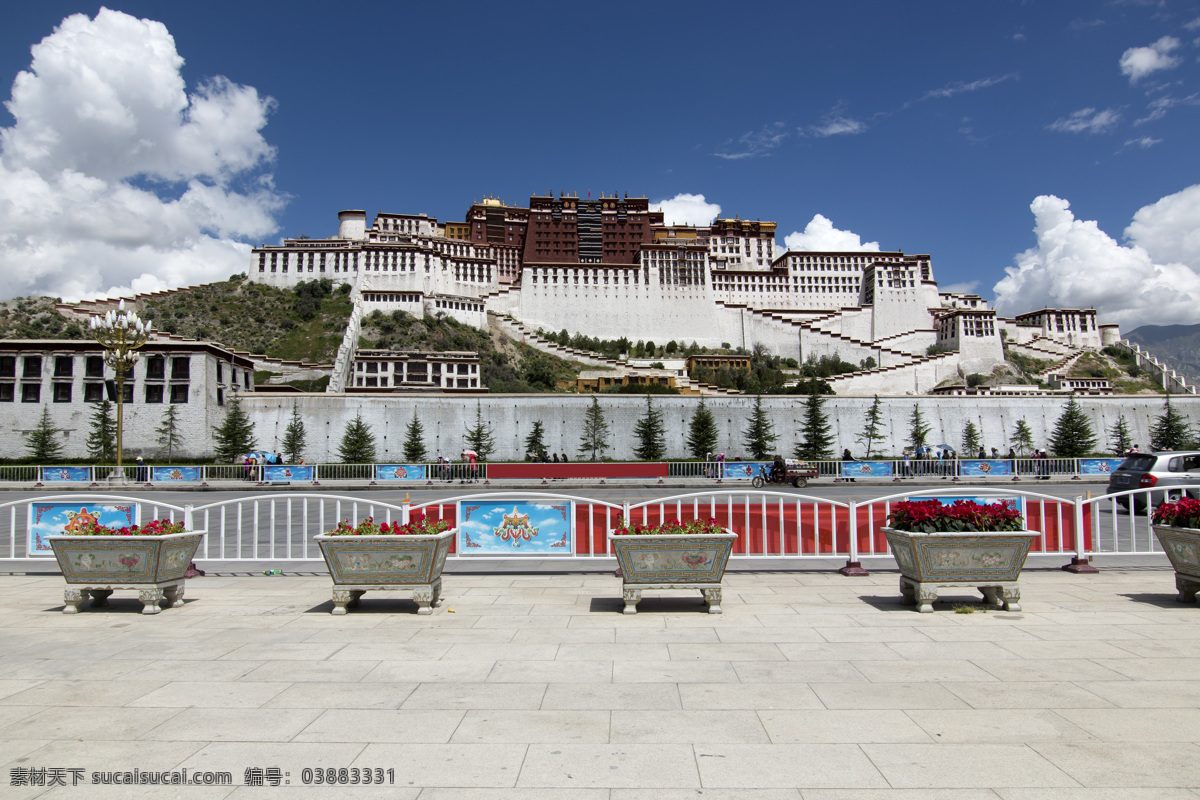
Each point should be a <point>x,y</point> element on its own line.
<point>360,564</point>
<point>95,566</point>
<point>1182,546</point>
<point>990,562</point>
<point>672,561</point>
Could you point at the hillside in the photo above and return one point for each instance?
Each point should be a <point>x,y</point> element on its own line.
<point>303,324</point>
<point>504,365</point>
<point>1178,345</point>
<point>36,318</point>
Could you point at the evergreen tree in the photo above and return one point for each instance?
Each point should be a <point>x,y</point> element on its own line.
<point>294,436</point>
<point>872,427</point>
<point>1073,436</point>
<point>168,432</point>
<point>234,437</point>
<point>535,442</point>
<point>650,434</point>
<point>595,431</point>
<point>358,443</point>
<point>102,440</point>
<point>414,441</point>
<point>1022,437</point>
<point>970,440</point>
<point>760,435</point>
<point>42,442</point>
<point>1171,431</point>
<point>480,437</point>
<point>918,431</point>
<point>816,440</point>
<point>1120,437</point>
<point>702,432</point>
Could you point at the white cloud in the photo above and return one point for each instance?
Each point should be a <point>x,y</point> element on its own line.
<point>755,143</point>
<point>115,177</point>
<point>1193,25</point>
<point>962,87</point>
<point>1077,265</point>
<point>1087,120</point>
<point>820,235</point>
<point>687,209</point>
<point>1138,62</point>
<point>1145,142</point>
<point>966,287</point>
<point>835,122</point>
<point>1169,230</point>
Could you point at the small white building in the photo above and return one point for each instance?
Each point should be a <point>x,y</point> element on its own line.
<point>69,377</point>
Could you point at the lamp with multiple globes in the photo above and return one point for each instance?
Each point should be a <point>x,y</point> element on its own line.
<point>120,333</point>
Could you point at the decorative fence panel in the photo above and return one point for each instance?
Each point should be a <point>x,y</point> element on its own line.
<point>775,525</point>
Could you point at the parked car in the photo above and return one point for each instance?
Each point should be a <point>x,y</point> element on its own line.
<point>1161,472</point>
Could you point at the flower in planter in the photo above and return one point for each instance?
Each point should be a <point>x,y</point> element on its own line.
<point>1183,513</point>
<point>674,527</point>
<point>155,527</point>
<point>419,525</point>
<point>930,516</point>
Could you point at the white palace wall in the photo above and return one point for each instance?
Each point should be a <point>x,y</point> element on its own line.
<point>445,420</point>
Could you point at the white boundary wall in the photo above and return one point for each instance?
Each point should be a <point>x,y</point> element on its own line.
<point>445,420</point>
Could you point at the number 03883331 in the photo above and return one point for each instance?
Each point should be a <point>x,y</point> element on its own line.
<point>331,776</point>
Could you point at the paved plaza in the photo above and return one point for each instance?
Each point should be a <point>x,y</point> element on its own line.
<point>810,685</point>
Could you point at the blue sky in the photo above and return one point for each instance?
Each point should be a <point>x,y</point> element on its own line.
<point>929,127</point>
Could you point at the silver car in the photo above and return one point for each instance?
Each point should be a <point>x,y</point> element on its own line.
<point>1160,472</point>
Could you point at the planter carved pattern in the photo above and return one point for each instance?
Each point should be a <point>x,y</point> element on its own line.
<point>990,562</point>
<point>95,566</point>
<point>673,561</point>
<point>358,564</point>
<point>1182,546</point>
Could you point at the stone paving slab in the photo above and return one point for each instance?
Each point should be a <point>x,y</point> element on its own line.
<point>810,686</point>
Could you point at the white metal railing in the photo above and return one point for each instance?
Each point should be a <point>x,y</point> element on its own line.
<point>781,526</point>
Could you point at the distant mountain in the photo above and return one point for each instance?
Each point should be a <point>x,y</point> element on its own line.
<point>1177,345</point>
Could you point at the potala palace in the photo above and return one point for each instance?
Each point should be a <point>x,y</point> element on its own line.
<point>610,267</point>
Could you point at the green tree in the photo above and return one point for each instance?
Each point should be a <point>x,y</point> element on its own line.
<point>595,431</point>
<point>650,434</point>
<point>102,439</point>
<point>760,435</point>
<point>535,442</point>
<point>168,433</point>
<point>43,442</point>
<point>918,431</point>
<point>872,427</point>
<point>234,437</point>
<point>358,443</point>
<point>1022,437</point>
<point>294,436</point>
<point>970,439</point>
<point>1120,437</point>
<point>702,432</point>
<point>1171,431</point>
<point>414,441</point>
<point>1073,436</point>
<point>479,437</point>
<point>816,440</point>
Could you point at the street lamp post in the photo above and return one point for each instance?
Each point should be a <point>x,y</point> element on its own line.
<point>120,333</point>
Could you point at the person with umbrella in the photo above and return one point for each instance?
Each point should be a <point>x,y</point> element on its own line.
<point>472,460</point>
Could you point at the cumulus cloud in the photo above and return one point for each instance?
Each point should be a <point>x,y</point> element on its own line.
<point>1138,62</point>
<point>1087,120</point>
<point>115,178</point>
<point>820,235</point>
<point>687,209</point>
<point>1075,264</point>
<point>1169,230</point>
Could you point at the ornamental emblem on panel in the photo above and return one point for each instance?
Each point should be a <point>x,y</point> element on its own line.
<point>515,528</point>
